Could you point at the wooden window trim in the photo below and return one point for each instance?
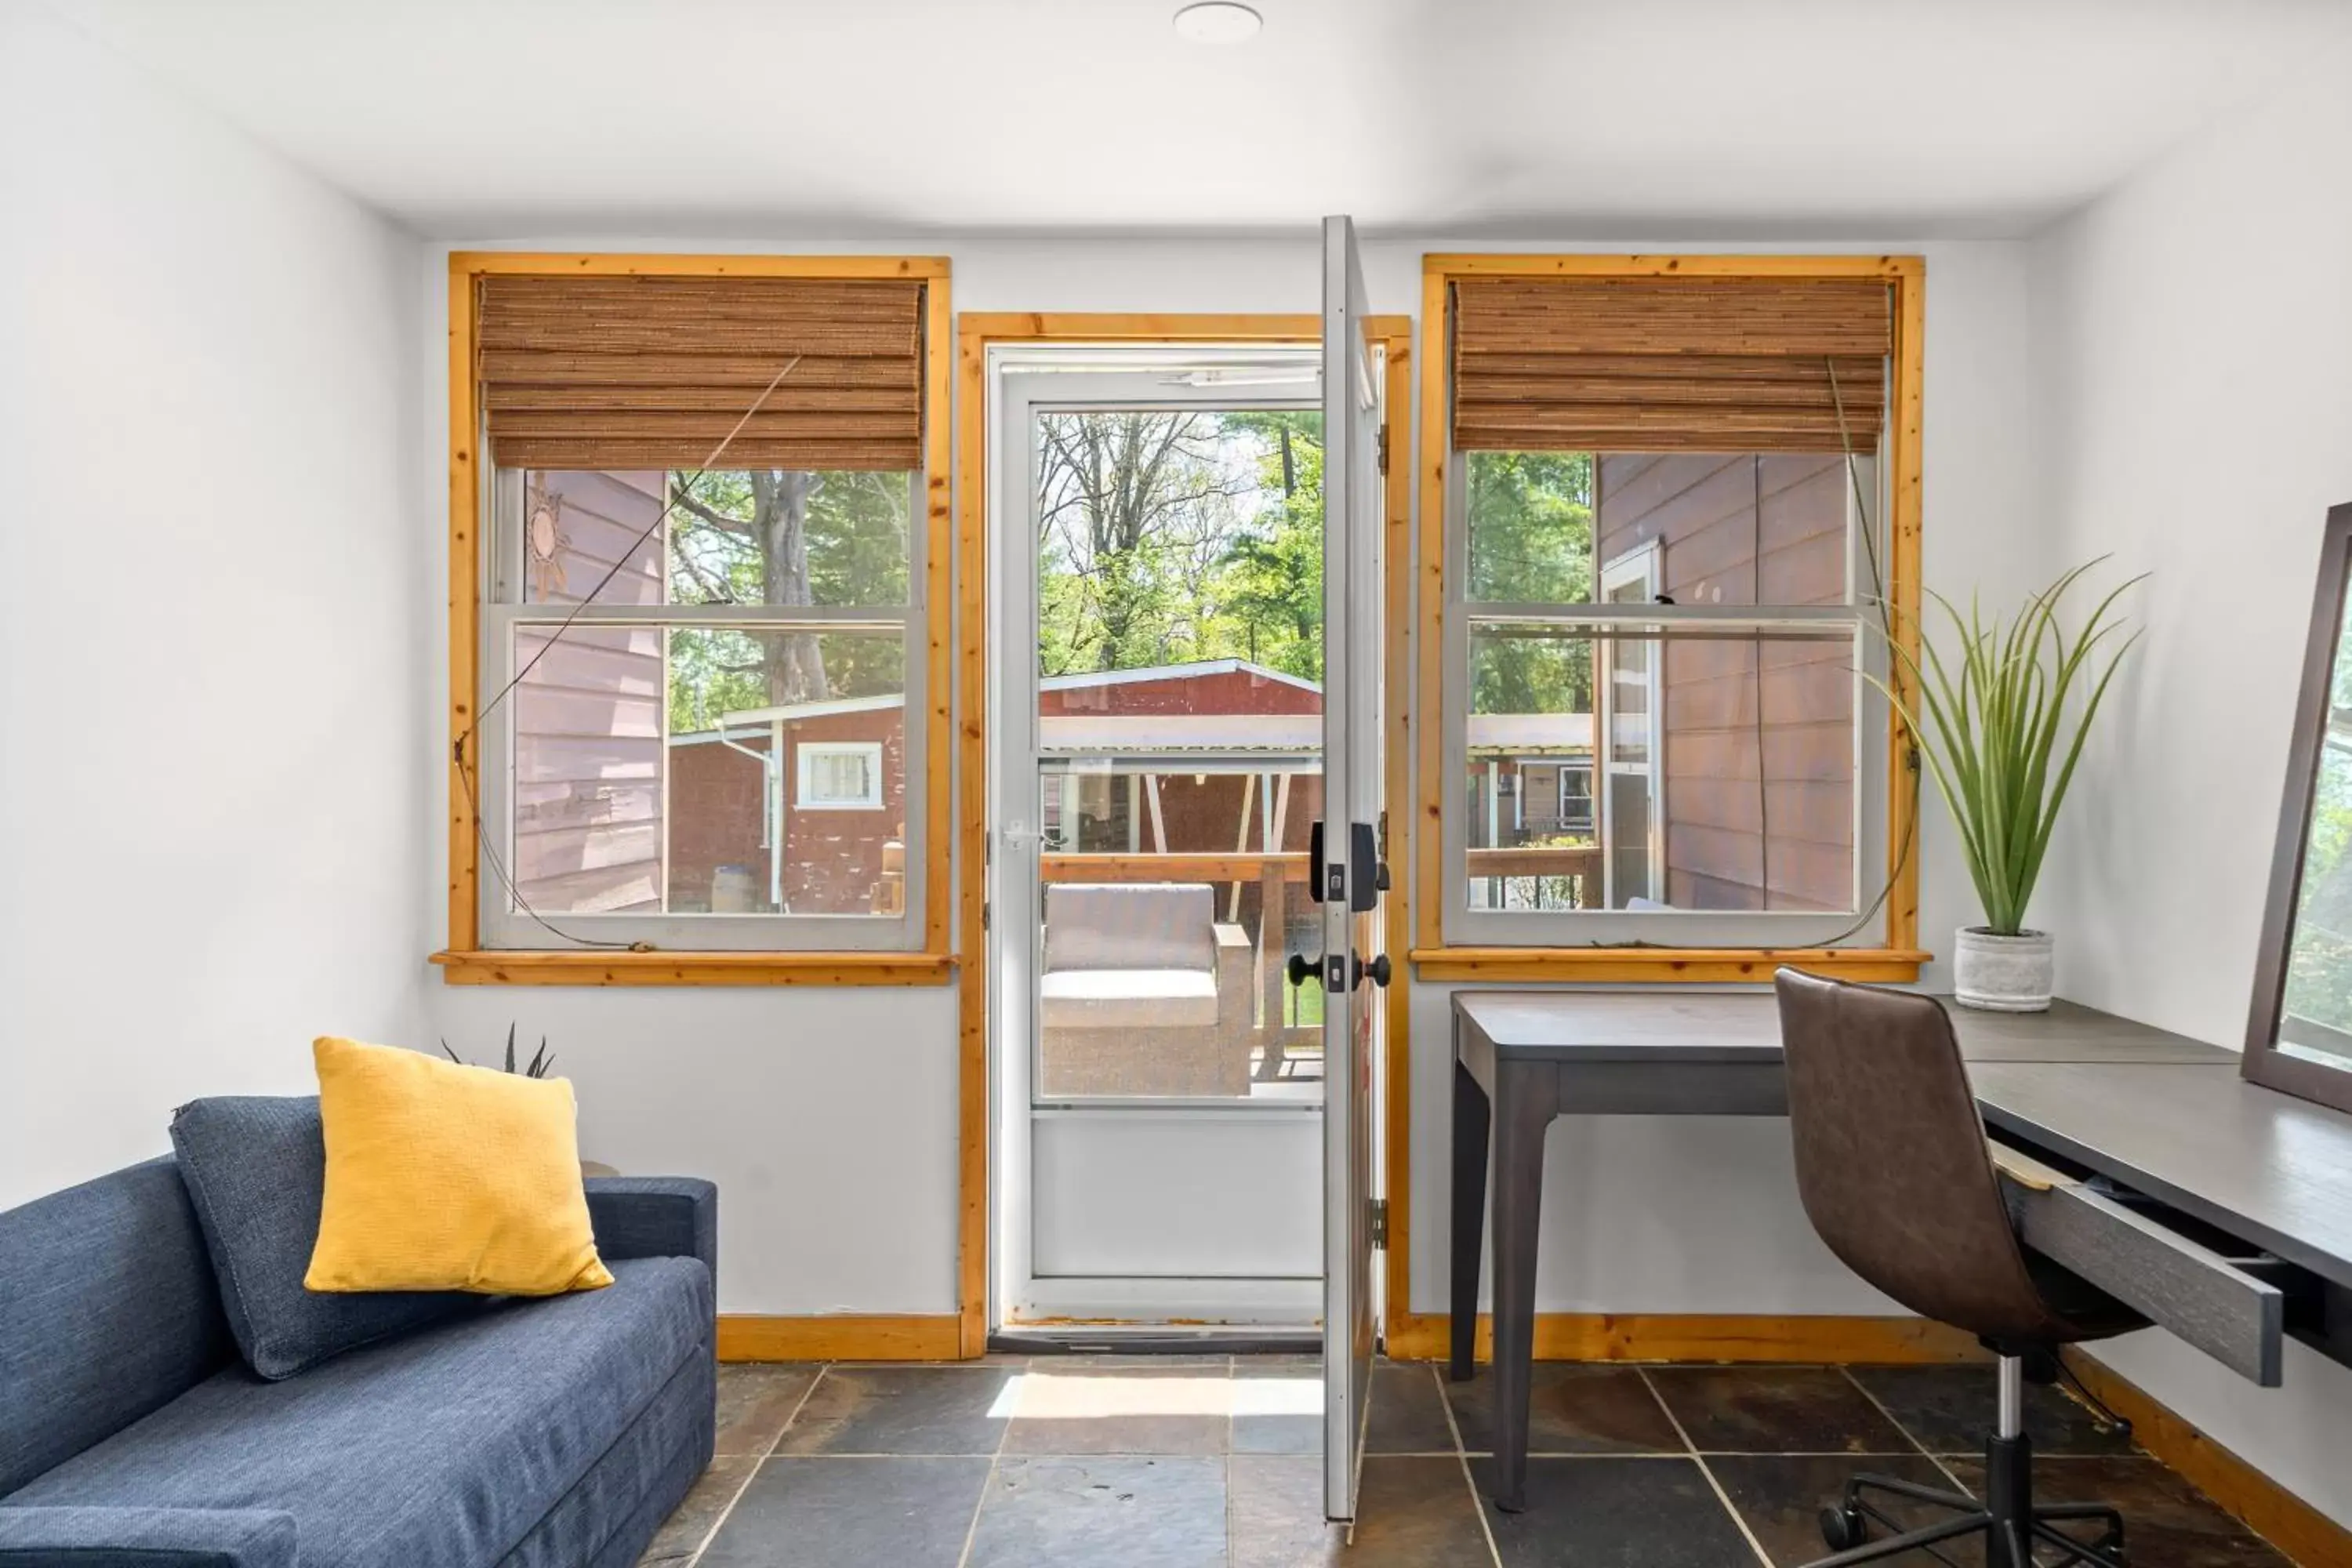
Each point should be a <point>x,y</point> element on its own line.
<point>464,961</point>
<point>1899,957</point>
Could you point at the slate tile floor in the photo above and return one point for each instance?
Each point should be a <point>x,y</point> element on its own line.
<point>1211,1462</point>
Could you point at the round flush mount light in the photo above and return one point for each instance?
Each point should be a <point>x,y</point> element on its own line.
<point>1218,22</point>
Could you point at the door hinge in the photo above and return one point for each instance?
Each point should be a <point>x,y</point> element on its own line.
<point>983,915</point>
<point>1380,1217</point>
<point>1384,446</point>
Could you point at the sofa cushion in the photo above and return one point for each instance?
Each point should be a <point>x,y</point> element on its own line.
<point>440,1450</point>
<point>107,1311</point>
<point>1124,925</point>
<point>256,1168</point>
<point>1126,999</point>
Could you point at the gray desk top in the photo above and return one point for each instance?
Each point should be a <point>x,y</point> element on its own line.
<point>2161,1113</point>
<point>1745,1027</point>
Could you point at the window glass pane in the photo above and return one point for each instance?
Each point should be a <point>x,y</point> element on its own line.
<point>647,778</point>
<point>1171,540</point>
<point>1688,772</point>
<point>1723,528</point>
<point>733,537</point>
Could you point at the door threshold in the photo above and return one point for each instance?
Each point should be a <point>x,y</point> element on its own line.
<point>1156,1338</point>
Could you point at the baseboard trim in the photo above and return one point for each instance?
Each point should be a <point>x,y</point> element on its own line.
<point>1664,1336</point>
<point>750,1337</point>
<point>2268,1508</point>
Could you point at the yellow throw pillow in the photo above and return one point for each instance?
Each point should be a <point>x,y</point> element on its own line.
<point>443,1177</point>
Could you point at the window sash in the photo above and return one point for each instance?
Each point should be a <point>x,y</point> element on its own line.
<point>1464,925</point>
<point>503,926</point>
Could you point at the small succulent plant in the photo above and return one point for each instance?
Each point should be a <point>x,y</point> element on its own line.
<point>541,1061</point>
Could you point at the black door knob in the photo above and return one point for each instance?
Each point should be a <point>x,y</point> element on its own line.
<point>1377,971</point>
<point>1301,969</point>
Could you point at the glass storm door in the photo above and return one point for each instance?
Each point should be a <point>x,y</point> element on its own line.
<point>1349,876</point>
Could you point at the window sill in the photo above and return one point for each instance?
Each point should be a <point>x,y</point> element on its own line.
<point>1667,965</point>
<point>601,968</point>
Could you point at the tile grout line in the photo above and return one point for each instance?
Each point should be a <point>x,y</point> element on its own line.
<point>1929,1455</point>
<point>1462,1453</point>
<point>758,1460</point>
<point>1737,1522</point>
<point>987,1480</point>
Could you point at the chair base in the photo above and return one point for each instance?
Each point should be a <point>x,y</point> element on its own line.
<point>2007,1519</point>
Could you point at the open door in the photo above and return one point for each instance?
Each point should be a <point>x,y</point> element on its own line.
<point>1347,873</point>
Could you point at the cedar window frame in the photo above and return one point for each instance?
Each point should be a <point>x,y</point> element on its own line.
<point>927,959</point>
<point>1441,688</point>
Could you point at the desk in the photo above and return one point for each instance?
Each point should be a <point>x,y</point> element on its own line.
<point>2153,1112</point>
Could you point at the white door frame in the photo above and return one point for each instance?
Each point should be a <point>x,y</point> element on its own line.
<point>1021,379</point>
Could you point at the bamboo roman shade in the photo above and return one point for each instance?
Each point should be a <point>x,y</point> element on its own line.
<point>1668,364</point>
<point>652,371</point>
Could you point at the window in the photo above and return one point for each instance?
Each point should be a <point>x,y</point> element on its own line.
<point>705,588</point>
<point>1669,565</point>
<point>841,776</point>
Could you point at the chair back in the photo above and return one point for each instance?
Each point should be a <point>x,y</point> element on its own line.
<point>1891,1159</point>
<point>1131,925</point>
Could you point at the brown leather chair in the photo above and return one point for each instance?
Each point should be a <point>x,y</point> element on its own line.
<point>1892,1165</point>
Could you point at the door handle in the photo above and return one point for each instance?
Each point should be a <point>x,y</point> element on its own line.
<point>1377,971</point>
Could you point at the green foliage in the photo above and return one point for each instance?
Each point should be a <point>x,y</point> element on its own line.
<point>541,1061</point>
<point>1989,734</point>
<point>2319,959</point>
<point>1531,541</point>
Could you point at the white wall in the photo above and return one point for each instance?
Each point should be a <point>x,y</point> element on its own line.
<point>2194,404</point>
<point>212,671</point>
<point>827,1119</point>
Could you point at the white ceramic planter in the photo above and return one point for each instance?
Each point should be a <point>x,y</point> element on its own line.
<point>2001,973</point>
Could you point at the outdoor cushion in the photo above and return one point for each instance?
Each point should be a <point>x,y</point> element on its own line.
<point>107,1312</point>
<point>442,1176</point>
<point>1127,998</point>
<point>255,1168</point>
<point>444,1448</point>
<point>1140,925</point>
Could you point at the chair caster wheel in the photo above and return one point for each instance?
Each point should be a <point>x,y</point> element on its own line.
<point>1843,1528</point>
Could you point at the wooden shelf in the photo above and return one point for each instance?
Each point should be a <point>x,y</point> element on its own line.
<point>684,968</point>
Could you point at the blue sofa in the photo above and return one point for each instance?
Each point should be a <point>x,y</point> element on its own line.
<point>545,1434</point>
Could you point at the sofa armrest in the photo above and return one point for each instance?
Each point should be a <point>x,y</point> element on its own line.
<point>654,1216</point>
<point>146,1538</point>
<point>1235,963</point>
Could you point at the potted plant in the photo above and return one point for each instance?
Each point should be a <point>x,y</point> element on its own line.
<point>1998,722</point>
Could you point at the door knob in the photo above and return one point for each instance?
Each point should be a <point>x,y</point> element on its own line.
<point>1301,969</point>
<point>1377,971</point>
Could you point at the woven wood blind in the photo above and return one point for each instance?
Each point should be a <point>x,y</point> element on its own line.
<point>1669,364</point>
<point>652,372</point>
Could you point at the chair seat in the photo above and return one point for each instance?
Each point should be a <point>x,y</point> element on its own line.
<point>440,1450</point>
<point>1127,998</point>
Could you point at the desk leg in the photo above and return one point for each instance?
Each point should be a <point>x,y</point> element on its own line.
<point>1472,1114</point>
<point>1526,1099</point>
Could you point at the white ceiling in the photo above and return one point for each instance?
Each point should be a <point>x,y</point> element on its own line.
<point>853,118</point>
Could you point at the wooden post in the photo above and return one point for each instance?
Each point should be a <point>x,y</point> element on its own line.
<point>1271,982</point>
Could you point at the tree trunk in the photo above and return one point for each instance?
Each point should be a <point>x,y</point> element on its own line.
<point>794,661</point>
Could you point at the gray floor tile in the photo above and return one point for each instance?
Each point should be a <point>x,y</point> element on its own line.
<point>1086,1512</point>
<point>1950,1409</point>
<point>1615,1513</point>
<point>1408,1411</point>
<point>1277,1405</point>
<point>903,1410</point>
<point>1123,1409</point>
<point>755,1400</point>
<point>1572,1408</point>
<point>1779,1497</point>
<point>852,1513</point>
<point>683,1534</point>
<point>2168,1523</point>
<point>1412,1512</point>
<point>1775,1410</point>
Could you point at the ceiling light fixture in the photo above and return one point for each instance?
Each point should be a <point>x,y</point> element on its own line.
<point>1218,22</point>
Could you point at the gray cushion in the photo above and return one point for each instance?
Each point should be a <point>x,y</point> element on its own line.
<point>107,1312</point>
<point>256,1168</point>
<point>444,1448</point>
<point>1130,925</point>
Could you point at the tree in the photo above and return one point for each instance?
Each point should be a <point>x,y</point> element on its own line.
<point>770,536</point>
<point>1531,541</point>
<point>1273,571</point>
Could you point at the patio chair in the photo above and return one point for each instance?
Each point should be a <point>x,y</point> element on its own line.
<point>1143,992</point>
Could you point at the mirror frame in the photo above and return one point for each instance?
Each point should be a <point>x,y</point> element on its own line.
<point>2264,1062</point>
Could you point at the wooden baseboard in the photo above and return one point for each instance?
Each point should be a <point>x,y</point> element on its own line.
<point>2272,1511</point>
<point>745,1337</point>
<point>1657,1336</point>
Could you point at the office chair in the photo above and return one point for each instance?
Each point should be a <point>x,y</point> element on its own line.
<point>1892,1166</point>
